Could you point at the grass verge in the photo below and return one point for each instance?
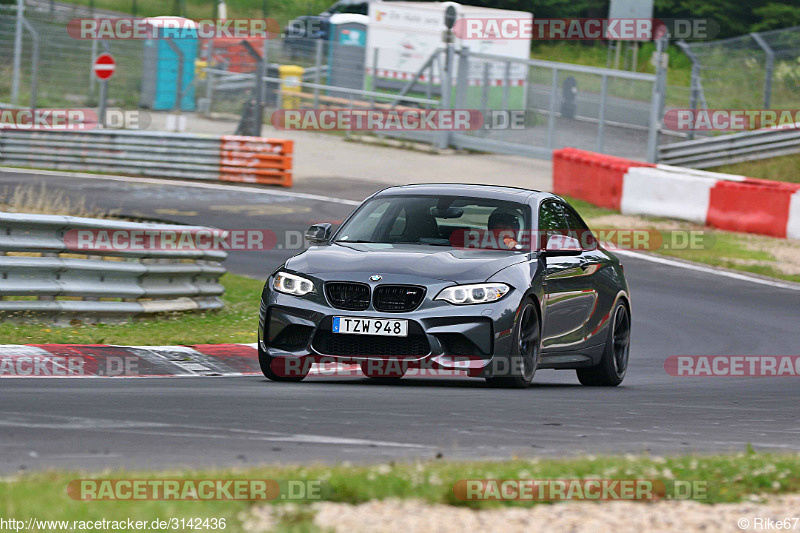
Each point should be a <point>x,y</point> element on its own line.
<point>756,254</point>
<point>728,478</point>
<point>784,168</point>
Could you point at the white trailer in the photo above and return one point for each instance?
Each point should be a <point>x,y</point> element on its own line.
<point>406,34</point>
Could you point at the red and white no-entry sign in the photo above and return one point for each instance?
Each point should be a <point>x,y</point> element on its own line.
<point>104,66</point>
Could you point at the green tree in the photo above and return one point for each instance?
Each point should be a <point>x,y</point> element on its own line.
<point>776,15</point>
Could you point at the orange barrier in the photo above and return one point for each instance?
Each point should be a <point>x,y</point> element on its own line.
<point>256,160</point>
<point>595,178</point>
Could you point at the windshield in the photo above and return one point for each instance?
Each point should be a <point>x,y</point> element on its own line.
<point>450,221</point>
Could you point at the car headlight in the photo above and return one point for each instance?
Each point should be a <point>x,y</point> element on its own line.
<point>291,284</point>
<point>479,293</point>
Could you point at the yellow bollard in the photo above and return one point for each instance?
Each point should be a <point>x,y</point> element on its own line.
<point>291,75</point>
<point>200,69</point>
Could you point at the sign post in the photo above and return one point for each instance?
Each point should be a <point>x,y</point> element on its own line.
<point>103,68</point>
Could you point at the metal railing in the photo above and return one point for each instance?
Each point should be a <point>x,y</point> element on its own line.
<point>159,154</point>
<point>120,151</point>
<point>42,275</point>
<point>733,148</point>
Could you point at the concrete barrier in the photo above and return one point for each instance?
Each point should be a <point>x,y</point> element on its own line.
<point>725,201</point>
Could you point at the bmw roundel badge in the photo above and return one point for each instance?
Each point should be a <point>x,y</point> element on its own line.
<point>375,277</point>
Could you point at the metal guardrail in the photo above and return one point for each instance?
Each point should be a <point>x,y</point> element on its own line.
<point>733,148</point>
<point>160,154</point>
<point>37,262</point>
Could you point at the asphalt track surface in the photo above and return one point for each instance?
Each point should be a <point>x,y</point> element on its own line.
<point>165,422</point>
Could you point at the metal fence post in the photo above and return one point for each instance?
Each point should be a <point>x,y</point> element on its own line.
<point>210,76</point>
<point>506,83</point>
<point>264,72</point>
<point>258,89</point>
<point>695,79</point>
<point>91,70</point>
<point>768,68</point>
<point>601,123</point>
<point>17,53</point>
<point>551,121</point>
<point>317,73</point>
<point>447,87</point>
<point>655,104</point>
<point>462,78</point>
<point>34,62</point>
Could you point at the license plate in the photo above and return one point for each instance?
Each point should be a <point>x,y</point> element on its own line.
<point>370,326</point>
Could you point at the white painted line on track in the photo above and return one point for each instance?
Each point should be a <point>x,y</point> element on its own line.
<point>707,270</point>
<point>183,183</point>
<point>63,423</point>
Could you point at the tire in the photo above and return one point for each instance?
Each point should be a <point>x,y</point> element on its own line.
<point>614,362</point>
<point>269,363</point>
<point>527,350</point>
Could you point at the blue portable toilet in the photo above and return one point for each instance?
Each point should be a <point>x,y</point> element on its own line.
<point>160,64</point>
<point>347,50</point>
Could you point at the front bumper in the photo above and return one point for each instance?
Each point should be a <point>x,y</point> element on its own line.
<point>440,335</point>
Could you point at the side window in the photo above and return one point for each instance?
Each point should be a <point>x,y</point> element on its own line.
<point>551,217</point>
<point>552,221</point>
<point>579,230</point>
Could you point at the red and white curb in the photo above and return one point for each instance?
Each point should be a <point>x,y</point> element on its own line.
<point>725,201</point>
<point>111,361</point>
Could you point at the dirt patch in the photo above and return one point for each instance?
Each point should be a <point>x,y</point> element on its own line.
<point>785,251</point>
<point>634,222</point>
<point>619,517</point>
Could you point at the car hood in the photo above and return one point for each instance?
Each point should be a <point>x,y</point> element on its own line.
<point>447,264</point>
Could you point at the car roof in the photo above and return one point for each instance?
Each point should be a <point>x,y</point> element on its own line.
<point>495,192</point>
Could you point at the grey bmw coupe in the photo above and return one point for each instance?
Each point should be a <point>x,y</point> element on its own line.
<point>496,282</point>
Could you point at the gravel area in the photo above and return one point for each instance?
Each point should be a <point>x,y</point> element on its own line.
<point>618,517</point>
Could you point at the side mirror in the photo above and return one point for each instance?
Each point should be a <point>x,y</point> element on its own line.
<point>562,246</point>
<point>318,233</point>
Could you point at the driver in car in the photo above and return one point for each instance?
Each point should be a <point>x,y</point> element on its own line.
<point>504,225</point>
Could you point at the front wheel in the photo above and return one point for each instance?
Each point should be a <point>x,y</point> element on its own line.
<point>288,369</point>
<point>527,345</point>
<point>614,363</point>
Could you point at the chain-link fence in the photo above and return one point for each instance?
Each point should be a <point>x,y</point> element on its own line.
<point>590,108</point>
<point>61,76</point>
<point>561,104</point>
<point>747,72</point>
